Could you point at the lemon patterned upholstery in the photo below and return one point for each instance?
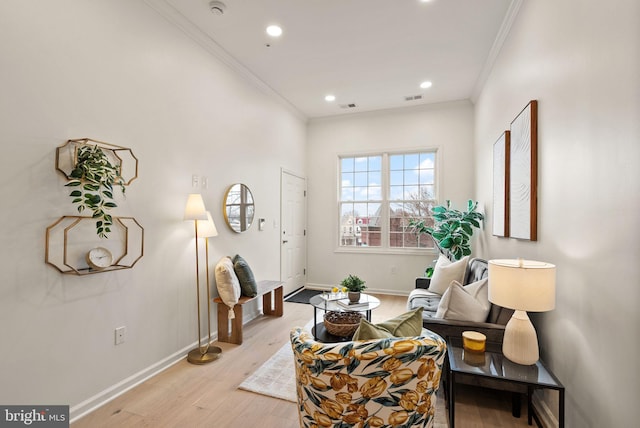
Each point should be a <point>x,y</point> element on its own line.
<point>388,382</point>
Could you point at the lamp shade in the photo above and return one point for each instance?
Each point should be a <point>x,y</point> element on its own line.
<point>207,229</point>
<point>524,285</point>
<point>195,209</point>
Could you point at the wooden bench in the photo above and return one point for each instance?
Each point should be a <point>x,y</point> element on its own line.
<point>272,303</point>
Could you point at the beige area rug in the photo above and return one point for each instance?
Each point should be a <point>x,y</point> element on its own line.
<point>277,378</point>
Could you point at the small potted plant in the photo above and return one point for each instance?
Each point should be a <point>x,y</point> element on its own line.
<point>92,180</point>
<point>354,286</point>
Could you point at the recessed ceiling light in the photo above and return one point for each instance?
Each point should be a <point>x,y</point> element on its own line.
<point>425,85</point>
<point>274,31</point>
<point>330,98</point>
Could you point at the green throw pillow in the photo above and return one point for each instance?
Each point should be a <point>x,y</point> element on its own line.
<point>248,285</point>
<point>408,324</point>
<point>367,331</point>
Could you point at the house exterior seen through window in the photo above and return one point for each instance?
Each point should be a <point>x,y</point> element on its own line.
<point>381,193</point>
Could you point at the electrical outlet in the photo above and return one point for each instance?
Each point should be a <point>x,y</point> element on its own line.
<point>194,180</point>
<point>205,182</point>
<point>120,332</point>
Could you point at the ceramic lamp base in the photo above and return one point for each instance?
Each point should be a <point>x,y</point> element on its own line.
<point>520,343</point>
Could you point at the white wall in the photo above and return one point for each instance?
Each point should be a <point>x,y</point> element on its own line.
<point>581,60</point>
<point>447,127</point>
<point>116,71</point>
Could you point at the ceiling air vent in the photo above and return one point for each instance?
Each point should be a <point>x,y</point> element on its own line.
<point>351,105</point>
<point>413,97</point>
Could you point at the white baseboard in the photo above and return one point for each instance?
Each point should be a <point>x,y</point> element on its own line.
<point>547,418</point>
<point>100,399</point>
<point>89,405</point>
<point>327,287</point>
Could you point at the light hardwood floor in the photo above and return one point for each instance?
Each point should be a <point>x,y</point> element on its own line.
<point>188,396</point>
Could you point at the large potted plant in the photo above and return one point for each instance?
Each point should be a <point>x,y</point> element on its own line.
<point>453,229</point>
<point>354,286</point>
<point>93,178</point>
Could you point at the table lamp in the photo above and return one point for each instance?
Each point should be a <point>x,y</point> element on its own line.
<point>522,285</point>
<point>204,227</point>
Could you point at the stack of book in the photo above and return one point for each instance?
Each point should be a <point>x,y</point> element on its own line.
<point>345,303</point>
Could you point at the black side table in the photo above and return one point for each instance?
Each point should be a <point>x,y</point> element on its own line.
<point>492,370</point>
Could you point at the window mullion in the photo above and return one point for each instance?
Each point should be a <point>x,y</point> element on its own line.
<point>385,202</point>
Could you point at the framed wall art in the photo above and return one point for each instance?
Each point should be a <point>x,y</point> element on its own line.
<point>523,171</point>
<point>501,185</point>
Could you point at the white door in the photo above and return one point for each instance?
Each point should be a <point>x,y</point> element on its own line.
<point>293,244</point>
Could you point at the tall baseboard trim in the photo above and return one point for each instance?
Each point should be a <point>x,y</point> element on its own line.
<point>316,286</point>
<point>546,416</point>
<point>89,405</point>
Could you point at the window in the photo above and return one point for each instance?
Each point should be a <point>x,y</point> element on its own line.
<point>380,194</point>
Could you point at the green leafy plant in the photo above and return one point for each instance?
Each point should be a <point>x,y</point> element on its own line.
<point>353,283</point>
<point>453,228</point>
<point>92,179</point>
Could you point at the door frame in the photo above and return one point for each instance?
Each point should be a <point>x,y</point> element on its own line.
<point>284,171</point>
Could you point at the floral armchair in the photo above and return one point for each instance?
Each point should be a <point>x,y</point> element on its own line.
<point>376,383</point>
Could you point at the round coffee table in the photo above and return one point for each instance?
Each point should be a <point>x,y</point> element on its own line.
<point>324,302</point>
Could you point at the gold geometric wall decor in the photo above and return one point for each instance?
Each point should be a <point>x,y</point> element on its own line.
<point>70,238</point>
<point>123,157</point>
<point>71,244</point>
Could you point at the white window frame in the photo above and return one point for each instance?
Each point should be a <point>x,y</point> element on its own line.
<point>385,247</point>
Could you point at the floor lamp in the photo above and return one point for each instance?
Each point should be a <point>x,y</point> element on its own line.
<point>522,285</point>
<point>204,227</point>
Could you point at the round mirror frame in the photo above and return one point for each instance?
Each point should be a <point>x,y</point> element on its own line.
<point>238,207</point>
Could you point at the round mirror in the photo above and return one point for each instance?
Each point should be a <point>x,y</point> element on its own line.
<point>238,207</point>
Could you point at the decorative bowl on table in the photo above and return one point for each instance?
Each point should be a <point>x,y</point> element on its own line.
<point>341,324</point>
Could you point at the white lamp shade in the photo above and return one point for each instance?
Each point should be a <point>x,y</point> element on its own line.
<point>195,209</point>
<point>524,285</point>
<point>207,228</point>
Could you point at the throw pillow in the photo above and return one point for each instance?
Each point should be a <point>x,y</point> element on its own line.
<point>447,271</point>
<point>408,324</point>
<point>248,284</point>
<point>367,331</point>
<point>465,303</point>
<point>227,284</point>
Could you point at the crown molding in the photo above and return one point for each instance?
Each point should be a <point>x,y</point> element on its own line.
<point>393,110</point>
<point>503,32</point>
<point>174,17</point>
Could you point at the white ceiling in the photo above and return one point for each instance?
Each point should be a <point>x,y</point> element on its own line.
<point>372,53</point>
